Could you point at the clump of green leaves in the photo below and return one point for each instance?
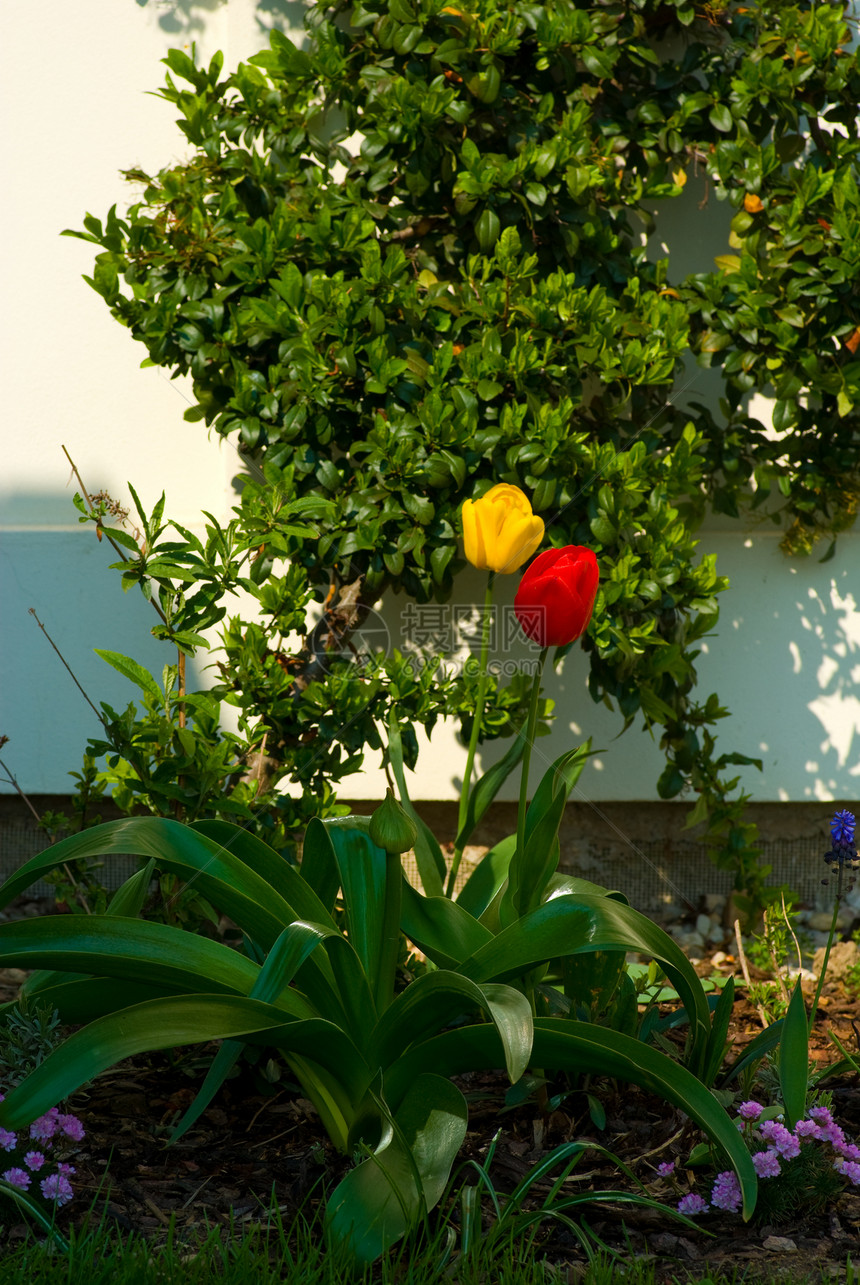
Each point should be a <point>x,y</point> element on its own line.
<point>29,1031</point>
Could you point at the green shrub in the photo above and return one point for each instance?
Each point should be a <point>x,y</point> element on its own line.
<point>412,260</point>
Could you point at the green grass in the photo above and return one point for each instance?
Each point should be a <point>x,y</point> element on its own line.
<point>293,1254</point>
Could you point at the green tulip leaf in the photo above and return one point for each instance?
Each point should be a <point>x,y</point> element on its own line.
<point>562,775</point>
<point>530,870</point>
<point>488,877</point>
<point>428,854</point>
<point>129,899</point>
<point>487,787</point>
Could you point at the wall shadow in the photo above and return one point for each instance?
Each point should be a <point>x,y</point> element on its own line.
<point>63,573</point>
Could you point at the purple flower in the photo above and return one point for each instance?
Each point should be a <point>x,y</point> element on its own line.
<point>849,1151</point>
<point>850,1170</point>
<point>57,1187</point>
<point>43,1129</point>
<point>34,1160</point>
<point>821,1115</point>
<point>834,1136</point>
<point>842,827</point>
<point>17,1178</point>
<point>807,1129</point>
<point>8,1140</point>
<point>692,1204</point>
<point>726,1193</point>
<point>71,1127</point>
<point>766,1164</point>
<point>750,1110</point>
<point>66,1169</point>
<point>666,1169</point>
<point>780,1139</point>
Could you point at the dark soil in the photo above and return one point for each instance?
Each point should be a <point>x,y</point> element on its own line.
<point>260,1138</point>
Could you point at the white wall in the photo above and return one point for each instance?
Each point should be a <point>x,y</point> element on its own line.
<point>786,658</point>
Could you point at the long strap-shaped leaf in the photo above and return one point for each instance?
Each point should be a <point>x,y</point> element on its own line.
<point>277,873</point>
<point>794,1058</point>
<point>82,999</point>
<point>428,854</point>
<point>371,880</point>
<point>567,925</point>
<point>387,1194</point>
<point>437,999</point>
<point>561,1044</point>
<point>128,900</point>
<point>285,958</point>
<point>487,787</point>
<point>530,870</point>
<point>488,877</point>
<point>182,1019</point>
<point>224,878</point>
<point>319,868</point>
<point>112,946</point>
<point>441,928</point>
<point>221,874</point>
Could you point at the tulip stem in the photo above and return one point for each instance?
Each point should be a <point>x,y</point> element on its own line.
<point>527,752</point>
<point>473,739</point>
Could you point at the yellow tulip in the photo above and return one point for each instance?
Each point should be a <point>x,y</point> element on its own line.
<point>500,532</point>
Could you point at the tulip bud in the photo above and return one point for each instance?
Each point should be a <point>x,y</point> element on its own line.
<point>391,828</point>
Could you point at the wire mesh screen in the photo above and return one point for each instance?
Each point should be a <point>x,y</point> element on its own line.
<point>21,839</point>
<point>639,849</point>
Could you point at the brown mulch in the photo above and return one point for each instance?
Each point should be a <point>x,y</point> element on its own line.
<point>259,1139</point>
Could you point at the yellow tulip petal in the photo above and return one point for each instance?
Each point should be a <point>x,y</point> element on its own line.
<point>472,542</point>
<point>522,535</point>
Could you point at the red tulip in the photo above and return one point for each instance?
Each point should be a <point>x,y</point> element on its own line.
<point>556,595</point>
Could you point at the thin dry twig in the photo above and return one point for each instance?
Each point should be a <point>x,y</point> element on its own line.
<point>746,972</point>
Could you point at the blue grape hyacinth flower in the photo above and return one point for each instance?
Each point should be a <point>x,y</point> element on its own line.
<point>842,827</point>
<point>843,853</point>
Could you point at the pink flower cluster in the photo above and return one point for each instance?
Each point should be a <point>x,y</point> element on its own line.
<point>782,1145</point>
<point>53,1131</point>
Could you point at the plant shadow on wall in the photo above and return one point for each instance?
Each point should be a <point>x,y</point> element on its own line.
<point>831,626</point>
<point>799,625</point>
<point>190,17</point>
